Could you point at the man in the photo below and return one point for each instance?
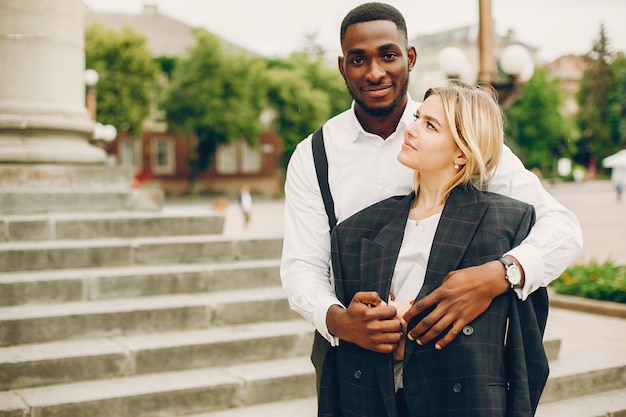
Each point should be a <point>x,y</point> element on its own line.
<point>362,145</point>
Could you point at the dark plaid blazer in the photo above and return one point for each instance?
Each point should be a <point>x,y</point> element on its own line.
<point>496,367</point>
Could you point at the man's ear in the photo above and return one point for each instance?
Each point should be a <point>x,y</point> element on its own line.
<point>412,57</point>
<point>340,66</point>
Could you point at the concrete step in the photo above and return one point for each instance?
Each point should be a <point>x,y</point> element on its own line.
<point>577,374</point>
<point>68,254</point>
<point>169,393</point>
<point>603,404</point>
<point>33,365</point>
<point>125,224</point>
<point>49,322</point>
<point>83,284</point>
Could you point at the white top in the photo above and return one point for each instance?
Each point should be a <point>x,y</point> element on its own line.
<point>410,270</point>
<point>363,169</point>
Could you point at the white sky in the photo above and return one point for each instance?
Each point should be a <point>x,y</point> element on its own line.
<point>278,27</point>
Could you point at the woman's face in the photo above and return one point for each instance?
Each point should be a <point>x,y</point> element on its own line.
<point>428,143</point>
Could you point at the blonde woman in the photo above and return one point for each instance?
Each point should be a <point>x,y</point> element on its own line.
<point>396,252</point>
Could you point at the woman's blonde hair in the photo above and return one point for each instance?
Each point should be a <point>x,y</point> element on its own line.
<point>476,123</point>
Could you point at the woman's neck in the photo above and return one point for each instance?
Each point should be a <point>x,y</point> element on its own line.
<point>428,201</point>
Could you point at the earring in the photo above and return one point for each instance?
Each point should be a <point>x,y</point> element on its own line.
<point>456,166</point>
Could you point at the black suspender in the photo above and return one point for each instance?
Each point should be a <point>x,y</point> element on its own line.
<point>321,168</point>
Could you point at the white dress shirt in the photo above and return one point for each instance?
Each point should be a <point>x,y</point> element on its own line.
<point>363,169</point>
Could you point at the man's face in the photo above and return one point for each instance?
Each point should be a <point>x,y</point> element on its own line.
<point>376,65</point>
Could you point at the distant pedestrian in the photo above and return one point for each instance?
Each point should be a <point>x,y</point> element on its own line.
<point>245,202</point>
<point>619,187</point>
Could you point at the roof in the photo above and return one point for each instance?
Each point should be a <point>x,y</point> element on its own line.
<point>165,35</point>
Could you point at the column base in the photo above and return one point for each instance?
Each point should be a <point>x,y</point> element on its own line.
<point>41,188</point>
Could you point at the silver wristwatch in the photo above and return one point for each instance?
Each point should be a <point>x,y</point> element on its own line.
<point>513,274</point>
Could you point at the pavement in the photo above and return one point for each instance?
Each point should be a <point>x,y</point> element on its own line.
<point>603,222</point>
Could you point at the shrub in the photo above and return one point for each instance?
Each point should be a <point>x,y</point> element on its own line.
<point>605,281</point>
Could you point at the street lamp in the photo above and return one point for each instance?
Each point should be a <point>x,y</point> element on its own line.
<point>515,61</point>
<point>105,133</point>
<point>91,79</point>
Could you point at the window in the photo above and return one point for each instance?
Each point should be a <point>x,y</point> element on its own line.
<point>226,159</point>
<point>250,159</point>
<point>130,154</point>
<point>237,158</point>
<point>163,156</point>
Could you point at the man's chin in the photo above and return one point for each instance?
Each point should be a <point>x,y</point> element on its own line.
<point>380,111</point>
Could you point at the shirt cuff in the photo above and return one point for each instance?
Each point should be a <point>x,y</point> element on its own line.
<point>319,319</point>
<point>532,263</point>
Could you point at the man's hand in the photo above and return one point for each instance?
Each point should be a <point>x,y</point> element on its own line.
<point>463,295</point>
<point>368,322</point>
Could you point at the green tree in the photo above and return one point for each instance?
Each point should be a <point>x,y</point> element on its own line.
<point>303,92</point>
<point>595,98</point>
<point>128,76</point>
<point>618,101</point>
<point>215,95</point>
<point>538,131</point>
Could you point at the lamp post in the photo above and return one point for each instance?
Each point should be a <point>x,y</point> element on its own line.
<point>515,61</point>
<point>91,79</point>
<point>101,133</point>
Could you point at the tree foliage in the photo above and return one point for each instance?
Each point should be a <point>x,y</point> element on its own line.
<point>536,130</point>
<point>598,116</point>
<point>303,93</point>
<point>127,76</point>
<point>215,95</point>
<point>618,101</point>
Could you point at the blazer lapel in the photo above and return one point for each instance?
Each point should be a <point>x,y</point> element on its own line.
<point>379,255</point>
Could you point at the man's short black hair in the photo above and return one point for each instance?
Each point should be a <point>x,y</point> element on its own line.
<point>368,12</point>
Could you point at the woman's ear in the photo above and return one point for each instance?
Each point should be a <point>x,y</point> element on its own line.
<point>460,159</point>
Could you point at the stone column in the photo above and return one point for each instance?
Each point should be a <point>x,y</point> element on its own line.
<point>45,154</point>
<point>43,117</point>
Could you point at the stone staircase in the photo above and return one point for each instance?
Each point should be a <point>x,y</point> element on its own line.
<point>143,314</point>
<point>160,314</point>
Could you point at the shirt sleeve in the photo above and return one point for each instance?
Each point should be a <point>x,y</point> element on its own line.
<point>556,238</point>
<point>305,261</point>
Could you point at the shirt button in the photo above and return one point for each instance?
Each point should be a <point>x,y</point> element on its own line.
<point>468,330</point>
<point>457,387</point>
<point>357,374</point>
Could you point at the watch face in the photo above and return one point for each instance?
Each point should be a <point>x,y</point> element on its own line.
<point>513,275</point>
